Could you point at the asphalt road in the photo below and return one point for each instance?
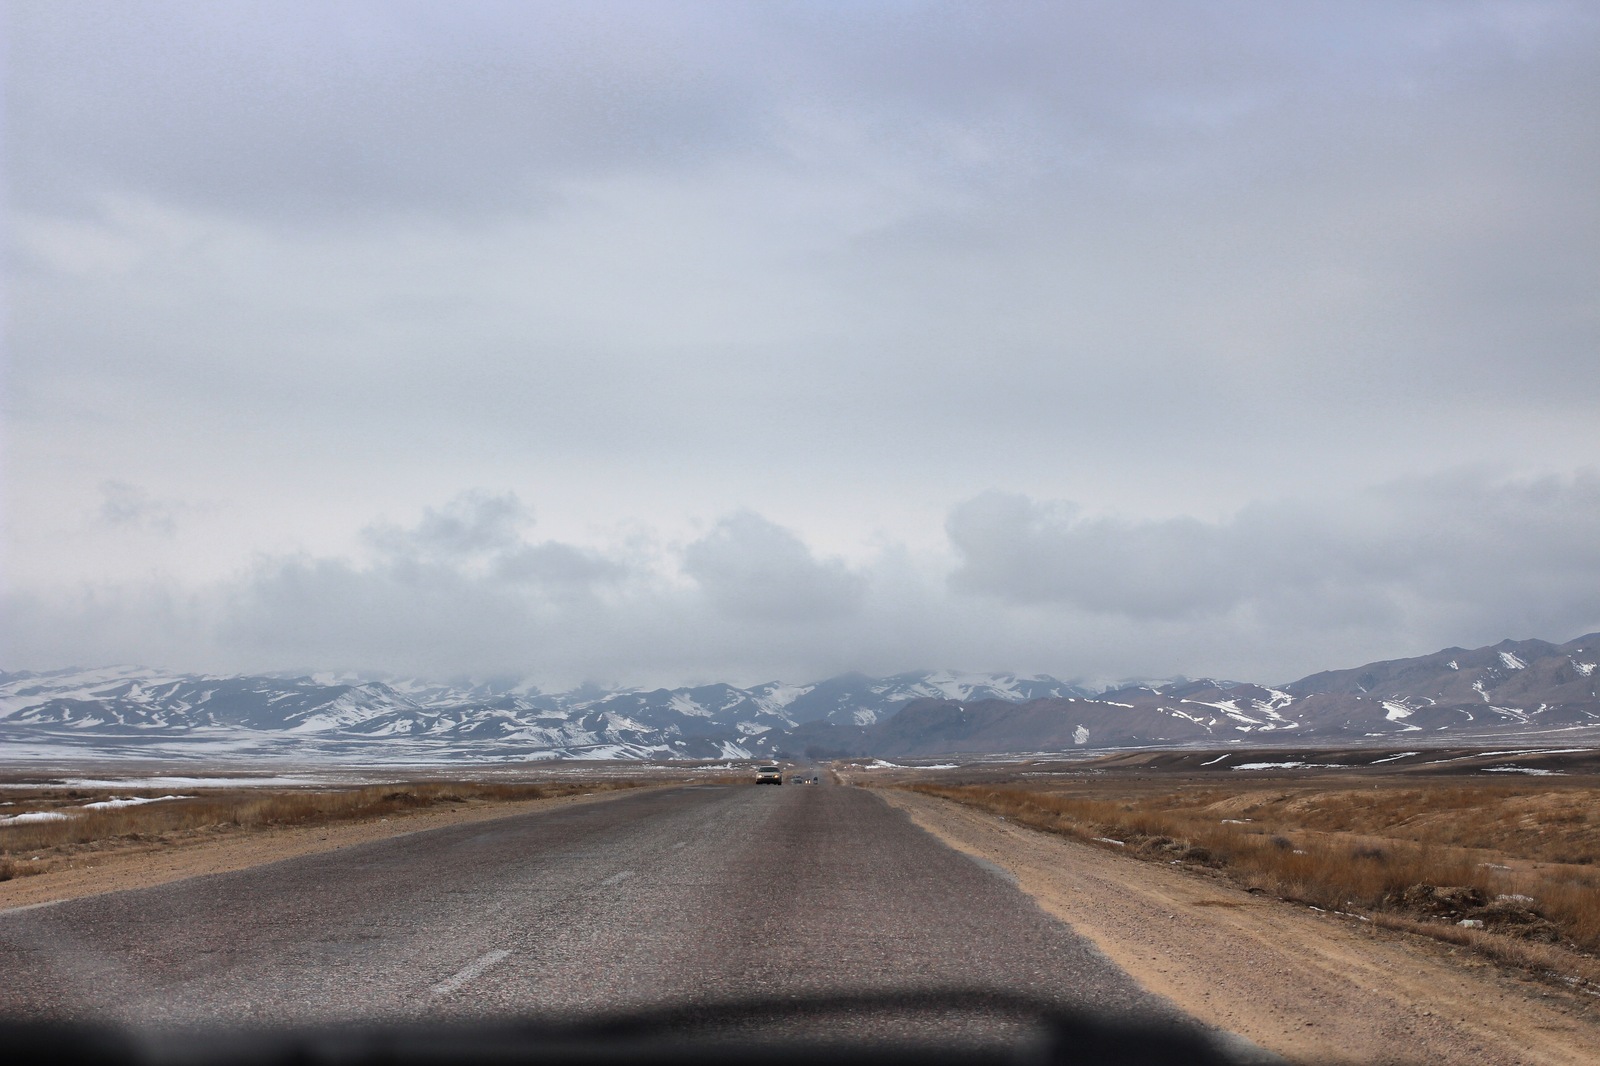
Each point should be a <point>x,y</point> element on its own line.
<point>682,896</point>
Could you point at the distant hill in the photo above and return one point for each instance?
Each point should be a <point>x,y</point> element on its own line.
<point>1514,689</point>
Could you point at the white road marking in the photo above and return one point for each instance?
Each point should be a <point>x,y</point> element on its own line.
<point>617,877</point>
<point>47,903</point>
<point>473,970</point>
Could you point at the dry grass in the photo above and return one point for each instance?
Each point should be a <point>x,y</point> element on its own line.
<point>27,847</point>
<point>1416,857</point>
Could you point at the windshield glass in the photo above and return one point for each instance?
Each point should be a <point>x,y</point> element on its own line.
<point>1134,464</point>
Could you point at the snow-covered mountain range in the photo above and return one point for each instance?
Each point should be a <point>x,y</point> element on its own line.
<point>1515,688</point>
<point>130,711</point>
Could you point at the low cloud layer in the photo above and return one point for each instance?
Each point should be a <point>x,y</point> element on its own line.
<point>1448,546</point>
<point>1274,591</point>
<point>735,312</point>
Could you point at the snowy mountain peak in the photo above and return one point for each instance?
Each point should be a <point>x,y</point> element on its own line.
<point>128,711</point>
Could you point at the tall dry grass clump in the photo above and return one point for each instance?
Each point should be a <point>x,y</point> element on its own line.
<point>1347,852</point>
<point>248,809</point>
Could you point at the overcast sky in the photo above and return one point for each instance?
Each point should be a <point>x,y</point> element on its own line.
<point>669,342</point>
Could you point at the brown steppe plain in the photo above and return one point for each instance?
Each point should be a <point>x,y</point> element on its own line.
<point>1333,891</point>
<point>1313,902</point>
<point>207,830</point>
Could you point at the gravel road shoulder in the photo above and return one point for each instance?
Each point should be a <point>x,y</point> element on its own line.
<point>198,853</point>
<point>1310,987</point>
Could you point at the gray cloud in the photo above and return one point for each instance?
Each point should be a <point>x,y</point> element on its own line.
<point>125,506</point>
<point>559,566</point>
<point>295,110</point>
<point>1276,590</point>
<point>836,265</point>
<point>751,568</point>
<point>472,524</point>
<point>1424,552</point>
<point>1033,552</point>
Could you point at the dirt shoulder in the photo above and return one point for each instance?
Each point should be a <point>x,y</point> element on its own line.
<point>1313,988</point>
<point>197,853</point>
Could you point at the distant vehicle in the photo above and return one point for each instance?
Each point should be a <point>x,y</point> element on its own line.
<point>769,775</point>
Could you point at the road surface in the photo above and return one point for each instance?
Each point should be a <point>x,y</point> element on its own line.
<point>680,896</point>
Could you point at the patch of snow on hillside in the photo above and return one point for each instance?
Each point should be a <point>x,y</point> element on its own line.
<point>1080,735</point>
<point>1477,686</point>
<point>779,696</point>
<point>1512,662</point>
<point>684,705</point>
<point>615,721</point>
<point>84,686</point>
<point>1395,711</point>
<point>963,687</point>
<point>1586,669</point>
<point>1452,664</point>
<point>1177,713</point>
<point>618,751</point>
<point>864,716</point>
<point>1230,708</point>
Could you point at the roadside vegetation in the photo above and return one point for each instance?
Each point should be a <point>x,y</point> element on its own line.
<point>71,826</point>
<point>1510,870</point>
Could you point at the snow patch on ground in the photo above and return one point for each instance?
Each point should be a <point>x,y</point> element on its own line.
<point>34,816</point>
<point>129,801</point>
<point>1512,662</point>
<point>1290,766</point>
<point>192,782</point>
<point>1518,751</point>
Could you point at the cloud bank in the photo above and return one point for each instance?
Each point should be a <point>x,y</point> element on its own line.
<point>1034,585</point>
<point>785,339</point>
